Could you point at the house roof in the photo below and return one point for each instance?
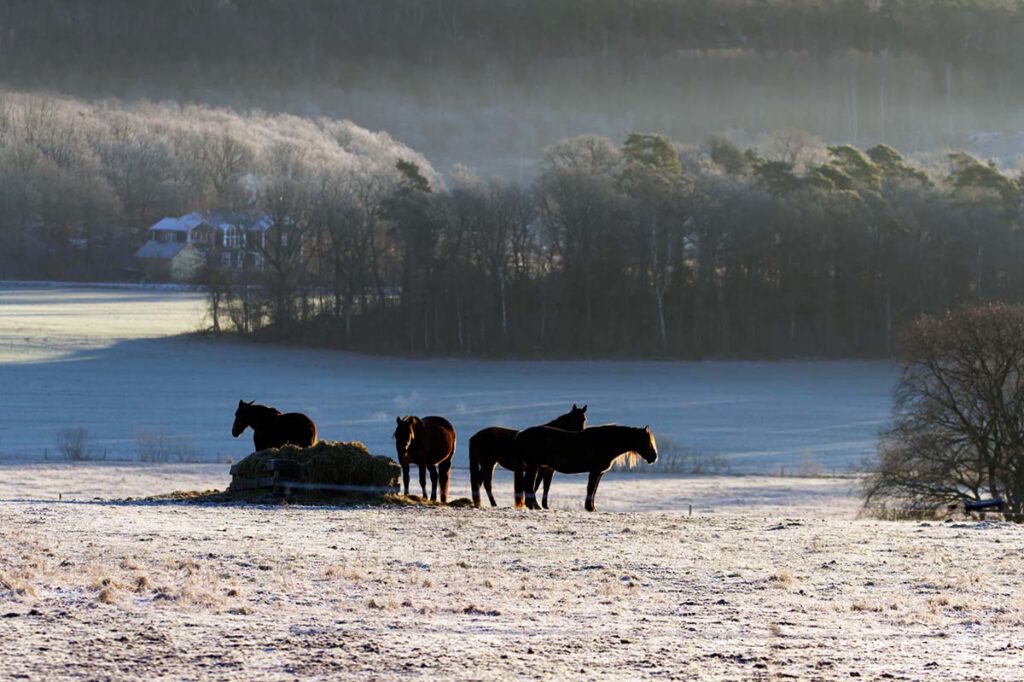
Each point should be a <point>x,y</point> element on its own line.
<point>161,250</point>
<point>185,223</point>
<point>217,220</point>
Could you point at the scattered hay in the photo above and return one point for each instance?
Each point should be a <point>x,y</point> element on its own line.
<point>328,463</point>
<point>782,579</point>
<point>417,501</point>
<point>17,587</point>
<point>474,610</point>
<point>107,595</point>
<point>184,496</point>
<point>864,605</point>
<point>298,497</point>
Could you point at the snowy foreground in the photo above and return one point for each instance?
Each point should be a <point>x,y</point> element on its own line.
<point>790,585</point>
<point>769,577</point>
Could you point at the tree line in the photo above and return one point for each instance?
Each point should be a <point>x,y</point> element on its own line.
<point>296,39</point>
<point>646,248</point>
<point>643,247</point>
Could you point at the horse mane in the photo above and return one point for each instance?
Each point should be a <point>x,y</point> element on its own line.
<point>627,460</point>
<point>261,411</point>
<point>630,458</point>
<point>413,422</point>
<point>561,421</point>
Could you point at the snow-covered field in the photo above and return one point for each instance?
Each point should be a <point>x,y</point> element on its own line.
<point>107,590</point>
<point>769,578</point>
<point>106,360</point>
<point>89,481</point>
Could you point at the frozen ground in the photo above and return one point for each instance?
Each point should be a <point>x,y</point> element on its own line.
<point>87,481</point>
<point>770,578</point>
<point>790,587</point>
<point>105,360</point>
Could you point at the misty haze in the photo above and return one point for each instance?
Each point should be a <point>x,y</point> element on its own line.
<point>590,339</point>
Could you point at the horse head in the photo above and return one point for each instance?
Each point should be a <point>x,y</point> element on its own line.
<point>241,418</point>
<point>647,448</point>
<point>405,434</point>
<point>573,420</point>
<point>577,418</point>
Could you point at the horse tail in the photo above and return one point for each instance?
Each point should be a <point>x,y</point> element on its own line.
<point>312,429</point>
<point>475,473</point>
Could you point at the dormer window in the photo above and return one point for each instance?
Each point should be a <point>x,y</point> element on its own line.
<point>233,237</point>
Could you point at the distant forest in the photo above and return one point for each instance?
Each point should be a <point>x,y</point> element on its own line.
<point>640,249</point>
<point>490,84</point>
<point>636,247</point>
<point>830,213</point>
<point>286,38</point>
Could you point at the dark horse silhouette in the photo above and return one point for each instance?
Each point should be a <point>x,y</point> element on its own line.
<point>589,451</point>
<point>271,429</point>
<point>493,445</point>
<point>428,442</point>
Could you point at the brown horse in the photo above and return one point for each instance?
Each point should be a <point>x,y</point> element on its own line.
<point>493,446</point>
<point>429,443</point>
<point>590,451</point>
<point>271,429</point>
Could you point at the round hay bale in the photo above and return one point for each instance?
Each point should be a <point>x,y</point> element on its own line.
<point>328,463</point>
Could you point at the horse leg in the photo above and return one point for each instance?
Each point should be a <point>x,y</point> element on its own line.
<point>405,477</point>
<point>433,482</point>
<point>488,476</point>
<point>530,486</point>
<point>475,470</point>
<point>423,480</point>
<point>519,482</point>
<point>444,470</point>
<point>546,476</point>
<point>595,478</point>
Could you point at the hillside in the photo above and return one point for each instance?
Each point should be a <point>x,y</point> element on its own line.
<point>490,84</point>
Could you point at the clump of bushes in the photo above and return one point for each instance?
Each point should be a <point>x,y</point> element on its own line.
<point>328,462</point>
<point>73,443</point>
<point>673,458</point>
<point>156,446</point>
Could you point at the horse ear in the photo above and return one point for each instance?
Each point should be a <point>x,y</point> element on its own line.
<point>240,403</point>
<point>398,420</point>
<point>251,402</point>
<point>583,409</point>
<point>574,408</point>
<point>647,428</point>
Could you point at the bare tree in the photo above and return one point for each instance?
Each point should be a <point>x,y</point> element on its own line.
<point>958,422</point>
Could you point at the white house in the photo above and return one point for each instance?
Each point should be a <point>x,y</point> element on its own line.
<point>179,246</point>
